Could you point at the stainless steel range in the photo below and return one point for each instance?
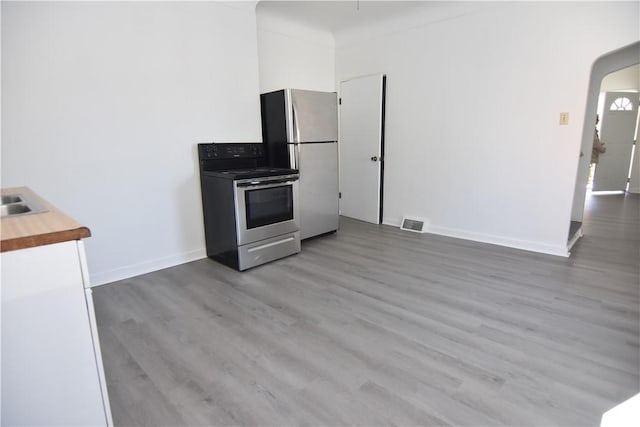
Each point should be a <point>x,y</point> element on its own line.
<point>250,210</point>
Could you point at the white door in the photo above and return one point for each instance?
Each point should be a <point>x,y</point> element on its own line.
<point>361,147</point>
<point>617,132</point>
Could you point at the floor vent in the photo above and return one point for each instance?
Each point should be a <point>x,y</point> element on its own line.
<point>413,224</point>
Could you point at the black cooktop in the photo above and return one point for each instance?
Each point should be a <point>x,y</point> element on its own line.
<point>237,161</point>
<point>251,173</point>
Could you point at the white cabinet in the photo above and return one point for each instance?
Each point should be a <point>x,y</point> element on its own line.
<point>51,365</point>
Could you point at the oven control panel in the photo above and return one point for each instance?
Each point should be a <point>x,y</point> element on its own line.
<point>245,150</point>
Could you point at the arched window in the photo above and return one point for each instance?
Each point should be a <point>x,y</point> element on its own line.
<point>621,104</point>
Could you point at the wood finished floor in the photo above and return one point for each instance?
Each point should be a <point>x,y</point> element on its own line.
<point>376,326</point>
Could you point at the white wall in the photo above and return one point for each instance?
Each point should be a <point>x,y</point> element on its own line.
<point>102,105</point>
<point>292,55</point>
<point>474,92</point>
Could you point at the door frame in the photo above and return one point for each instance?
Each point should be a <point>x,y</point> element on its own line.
<point>381,161</point>
<point>616,60</point>
<point>382,140</point>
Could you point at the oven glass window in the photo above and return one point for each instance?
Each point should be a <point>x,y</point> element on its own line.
<point>269,206</point>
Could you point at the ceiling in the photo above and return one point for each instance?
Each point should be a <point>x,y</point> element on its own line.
<point>335,16</point>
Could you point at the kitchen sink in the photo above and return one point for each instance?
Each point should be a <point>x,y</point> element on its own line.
<point>11,198</point>
<point>14,209</point>
<point>19,204</point>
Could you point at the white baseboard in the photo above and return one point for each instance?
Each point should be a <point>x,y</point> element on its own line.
<point>491,239</point>
<point>103,277</point>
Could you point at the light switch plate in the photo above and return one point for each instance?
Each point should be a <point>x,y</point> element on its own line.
<point>564,118</point>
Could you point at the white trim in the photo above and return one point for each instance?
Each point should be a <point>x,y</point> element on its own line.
<point>86,281</point>
<point>93,325</point>
<point>557,250</point>
<point>577,235</point>
<point>145,267</point>
<point>95,340</point>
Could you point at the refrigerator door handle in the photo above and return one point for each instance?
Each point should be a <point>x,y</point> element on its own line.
<point>296,129</point>
<point>293,133</point>
<point>294,156</point>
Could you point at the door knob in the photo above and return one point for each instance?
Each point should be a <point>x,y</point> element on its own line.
<point>374,159</point>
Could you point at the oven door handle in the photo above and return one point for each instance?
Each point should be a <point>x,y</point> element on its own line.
<point>266,184</point>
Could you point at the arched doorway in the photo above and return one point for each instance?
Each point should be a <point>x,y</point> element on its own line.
<point>613,61</point>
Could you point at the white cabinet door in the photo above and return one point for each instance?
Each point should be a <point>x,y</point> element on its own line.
<point>49,370</point>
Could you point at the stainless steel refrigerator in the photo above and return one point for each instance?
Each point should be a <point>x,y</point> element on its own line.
<point>300,129</point>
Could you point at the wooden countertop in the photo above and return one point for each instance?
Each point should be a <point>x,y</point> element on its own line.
<point>37,229</point>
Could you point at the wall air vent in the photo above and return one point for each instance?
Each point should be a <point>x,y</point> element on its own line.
<point>413,224</point>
